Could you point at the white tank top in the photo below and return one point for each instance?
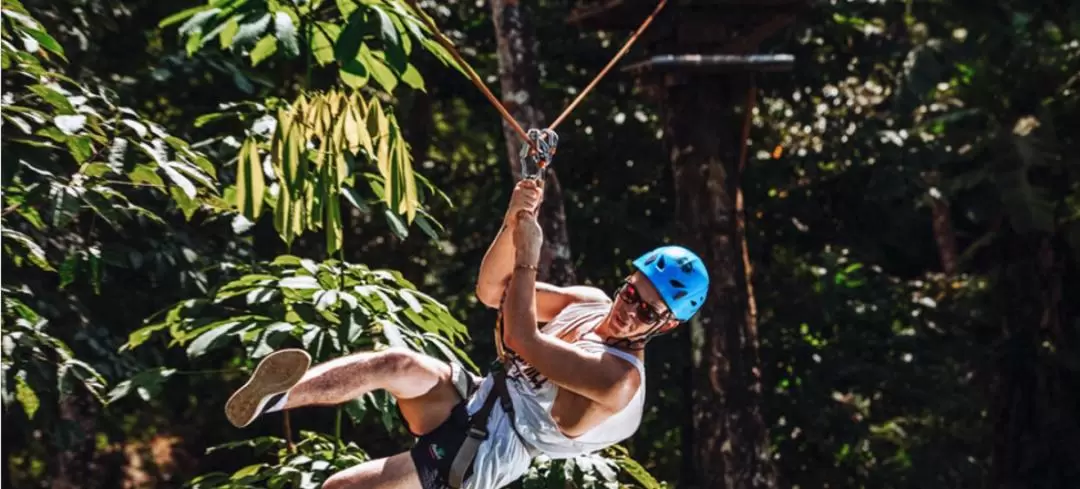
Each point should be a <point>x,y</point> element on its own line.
<point>504,456</point>
<point>534,395</point>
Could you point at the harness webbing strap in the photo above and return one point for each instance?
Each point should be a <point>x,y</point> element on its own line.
<point>478,428</point>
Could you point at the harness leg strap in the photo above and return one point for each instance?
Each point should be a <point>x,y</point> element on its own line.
<point>478,430</point>
<point>464,458</point>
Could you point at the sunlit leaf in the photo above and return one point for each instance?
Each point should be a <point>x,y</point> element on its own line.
<point>382,74</point>
<point>285,30</point>
<point>266,47</point>
<point>250,182</point>
<point>36,253</point>
<point>413,79</point>
<point>70,124</point>
<point>250,31</point>
<point>26,396</point>
<point>354,73</point>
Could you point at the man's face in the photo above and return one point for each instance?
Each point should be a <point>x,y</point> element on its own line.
<point>638,309</point>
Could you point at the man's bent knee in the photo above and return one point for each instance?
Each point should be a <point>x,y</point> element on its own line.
<point>337,481</point>
<point>412,374</point>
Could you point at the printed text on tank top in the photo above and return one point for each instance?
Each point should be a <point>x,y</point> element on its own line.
<point>574,414</point>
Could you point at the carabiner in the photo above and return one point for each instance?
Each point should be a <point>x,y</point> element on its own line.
<point>533,163</point>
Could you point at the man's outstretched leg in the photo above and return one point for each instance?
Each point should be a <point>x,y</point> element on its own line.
<point>396,472</point>
<point>421,384</point>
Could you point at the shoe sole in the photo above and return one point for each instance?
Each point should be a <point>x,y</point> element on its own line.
<point>276,373</point>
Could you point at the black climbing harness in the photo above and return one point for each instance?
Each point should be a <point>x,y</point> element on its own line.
<point>478,431</point>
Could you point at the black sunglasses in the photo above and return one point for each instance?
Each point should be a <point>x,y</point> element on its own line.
<point>644,311</point>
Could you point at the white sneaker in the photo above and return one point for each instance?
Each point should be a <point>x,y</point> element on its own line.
<point>273,377</point>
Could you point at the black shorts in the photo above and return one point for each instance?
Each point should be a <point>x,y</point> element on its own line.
<point>434,452</point>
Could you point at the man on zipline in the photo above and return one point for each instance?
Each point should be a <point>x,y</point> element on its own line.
<point>575,386</point>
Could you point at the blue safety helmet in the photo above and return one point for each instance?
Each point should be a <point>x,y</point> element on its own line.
<point>679,276</point>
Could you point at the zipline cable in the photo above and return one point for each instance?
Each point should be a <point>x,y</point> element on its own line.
<point>441,39</point>
<point>622,52</point>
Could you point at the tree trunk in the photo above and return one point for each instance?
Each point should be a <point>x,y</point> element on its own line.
<point>702,131</point>
<point>516,46</point>
<point>74,461</point>
<point>941,222</point>
<point>1037,430</point>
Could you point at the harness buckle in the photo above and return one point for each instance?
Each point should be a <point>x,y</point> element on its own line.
<point>533,163</point>
<point>477,433</point>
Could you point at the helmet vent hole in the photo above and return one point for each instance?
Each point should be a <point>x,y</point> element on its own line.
<point>687,267</point>
<point>661,264</point>
<point>650,260</point>
<point>693,303</point>
<point>677,284</point>
<point>680,294</point>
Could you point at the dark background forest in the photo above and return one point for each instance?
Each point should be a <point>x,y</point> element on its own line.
<point>887,195</point>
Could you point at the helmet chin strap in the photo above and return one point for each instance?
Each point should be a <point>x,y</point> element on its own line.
<point>638,342</point>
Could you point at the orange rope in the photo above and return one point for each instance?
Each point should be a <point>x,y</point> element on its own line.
<point>495,101</point>
<point>469,71</point>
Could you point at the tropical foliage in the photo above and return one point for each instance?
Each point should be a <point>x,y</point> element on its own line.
<point>188,185</point>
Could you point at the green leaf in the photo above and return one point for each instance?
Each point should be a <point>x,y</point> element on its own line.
<point>205,119</point>
<point>141,335</point>
<point>635,470</point>
<point>396,225</point>
<point>355,199</point>
<point>47,42</point>
<point>26,396</point>
<point>228,32</point>
<point>263,49</point>
<point>300,282</point>
<point>441,53</point>
<point>70,124</point>
<point>249,31</point>
<point>206,341</point>
<point>193,26</point>
<point>64,206</point>
<point>186,204</point>
<point>84,374</point>
<point>285,30</point>
<point>395,52</point>
<point>412,78</point>
<point>81,148</point>
<point>351,37</point>
<point>250,183</point>
<point>354,73</point>
<point>334,231</point>
<point>427,226</point>
<point>286,260</point>
<point>179,180</point>
<point>145,384</point>
<point>347,7</point>
<point>145,174</point>
<point>54,98</point>
<point>36,253</point>
<point>179,16</point>
<point>383,75</point>
<point>356,410</point>
<point>117,151</point>
<point>322,42</point>
<point>69,269</point>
